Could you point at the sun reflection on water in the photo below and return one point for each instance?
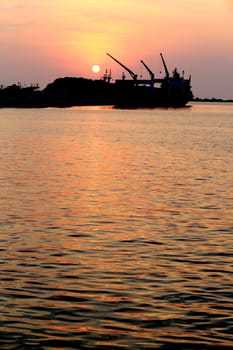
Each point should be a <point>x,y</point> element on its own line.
<point>116,228</point>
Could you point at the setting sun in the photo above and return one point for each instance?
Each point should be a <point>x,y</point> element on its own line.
<point>95,68</point>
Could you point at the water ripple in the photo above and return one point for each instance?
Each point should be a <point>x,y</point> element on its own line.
<point>116,230</point>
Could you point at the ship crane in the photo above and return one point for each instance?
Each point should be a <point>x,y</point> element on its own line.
<point>131,73</point>
<point>165,66</point>
<point>152,76</point>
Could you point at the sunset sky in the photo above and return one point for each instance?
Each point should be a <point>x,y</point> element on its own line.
<point>46,39</point>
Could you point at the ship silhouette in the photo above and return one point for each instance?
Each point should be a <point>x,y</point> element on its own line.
<point>170,91</point>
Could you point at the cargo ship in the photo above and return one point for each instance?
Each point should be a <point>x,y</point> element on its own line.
<point>171,91</point>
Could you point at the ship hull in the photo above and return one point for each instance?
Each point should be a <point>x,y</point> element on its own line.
<point>168,95</point>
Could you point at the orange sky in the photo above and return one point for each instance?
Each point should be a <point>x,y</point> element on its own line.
<point>46,39</point>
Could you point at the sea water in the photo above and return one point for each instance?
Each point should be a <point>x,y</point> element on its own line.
<point>116,228</point>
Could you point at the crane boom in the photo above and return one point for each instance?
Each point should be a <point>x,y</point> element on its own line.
<point>148,69</point>
<point>164,64</point>
<point>132,74</point>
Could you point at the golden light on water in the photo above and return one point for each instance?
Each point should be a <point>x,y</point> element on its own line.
<point>116,228</point>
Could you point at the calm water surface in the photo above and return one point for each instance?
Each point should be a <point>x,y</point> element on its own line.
<point>116,228</point>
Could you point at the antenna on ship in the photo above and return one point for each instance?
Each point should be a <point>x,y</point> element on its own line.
<point>107,76</point>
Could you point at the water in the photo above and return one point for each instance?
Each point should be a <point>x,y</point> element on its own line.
<point>116,228</point>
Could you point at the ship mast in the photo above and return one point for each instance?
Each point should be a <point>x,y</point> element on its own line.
<point>152,76</point>
<point>131,73</point>
<point>165,66</point>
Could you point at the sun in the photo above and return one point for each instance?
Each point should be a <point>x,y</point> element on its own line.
<point>95,68</point>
